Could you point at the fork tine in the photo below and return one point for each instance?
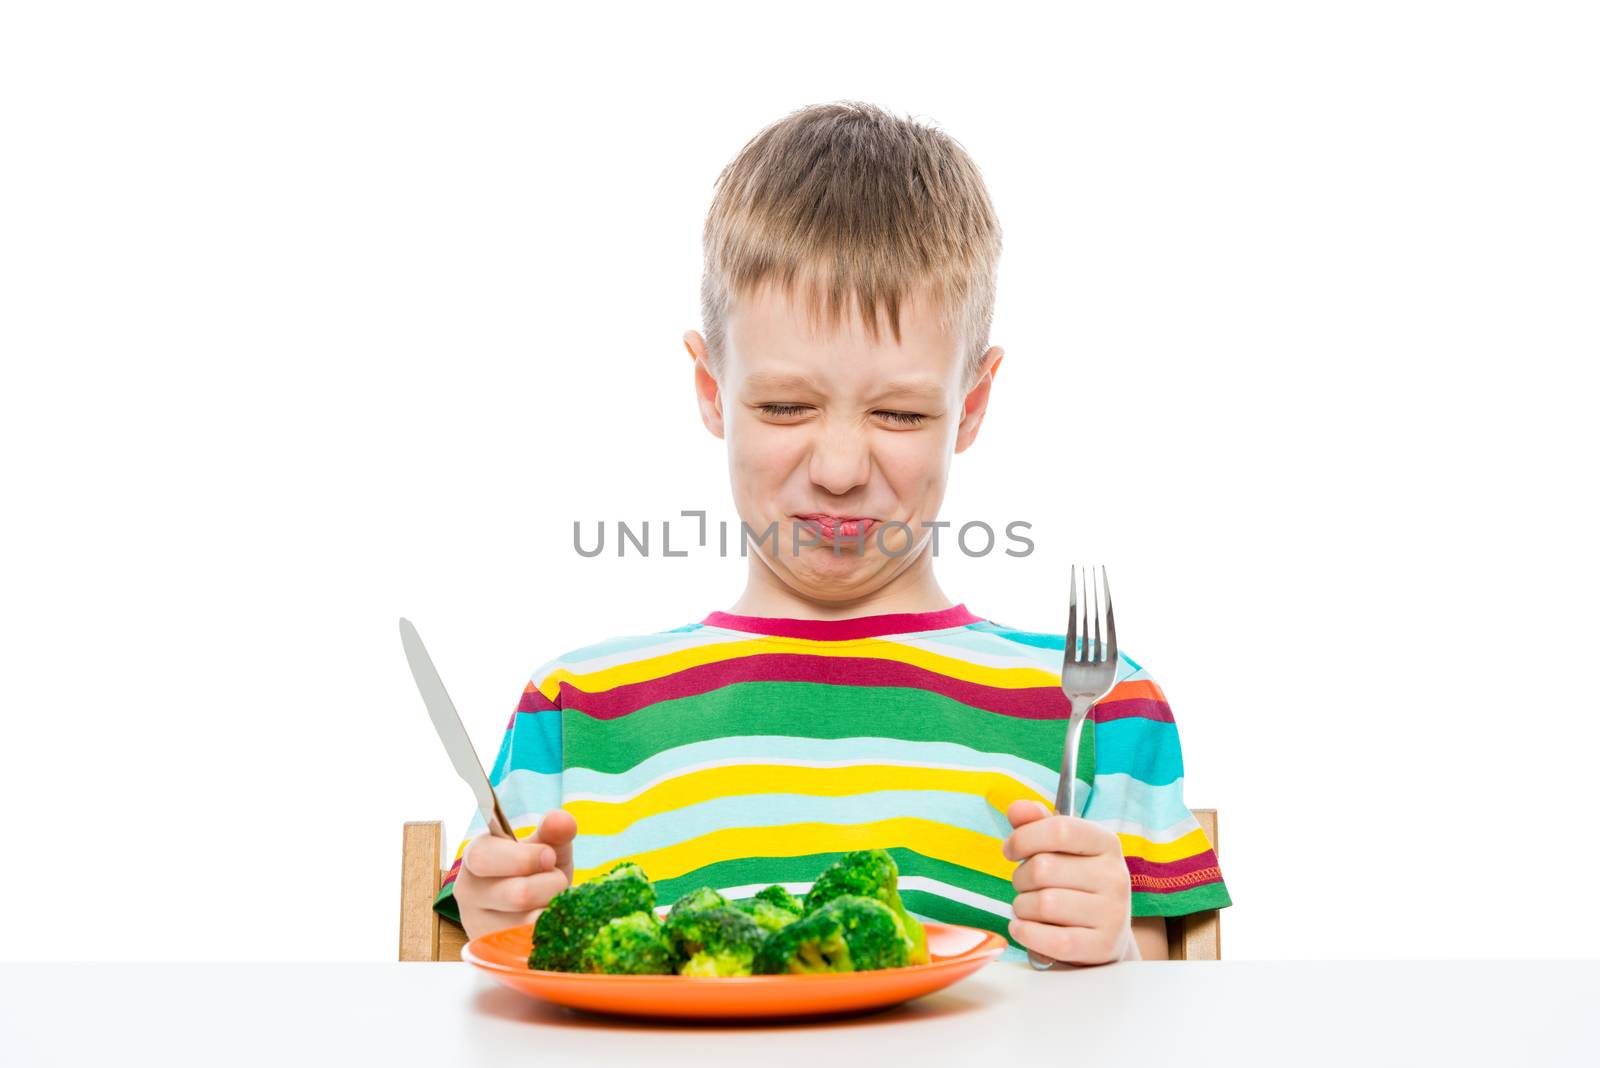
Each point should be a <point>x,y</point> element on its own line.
<point>1095,655</point>
<point>1111,625</point>
<point>1072,616</point>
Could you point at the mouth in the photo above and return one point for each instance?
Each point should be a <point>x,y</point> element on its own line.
<point>830,527</point>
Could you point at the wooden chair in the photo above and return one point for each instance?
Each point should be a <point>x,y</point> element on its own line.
<point>425,935</point>
<point>1198,936</point>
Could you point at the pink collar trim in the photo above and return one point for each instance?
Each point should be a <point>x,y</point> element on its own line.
<point>845,629</point>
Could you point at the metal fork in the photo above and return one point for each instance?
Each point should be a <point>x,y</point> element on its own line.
<point>1087,674</point>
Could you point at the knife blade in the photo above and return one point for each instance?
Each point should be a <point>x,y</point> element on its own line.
<point>442,711</point>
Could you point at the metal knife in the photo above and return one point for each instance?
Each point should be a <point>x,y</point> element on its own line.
<point>454,736</point>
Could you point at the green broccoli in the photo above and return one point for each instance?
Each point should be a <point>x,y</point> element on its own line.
<point>764,912</point>
<point>626,868</point>
<point>782,898</point>
<point>713,941</point>
<point>575,915</point>
<point>633,944</point>
<point>703,898</point>
<point>850,933</point>
<point>870,873</point>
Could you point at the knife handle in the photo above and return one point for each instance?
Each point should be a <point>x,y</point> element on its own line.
<point>499,826</point>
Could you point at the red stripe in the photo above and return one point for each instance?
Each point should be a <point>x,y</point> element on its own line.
<point>1033,702</point>
<point>845,629</point>
<point>1162,869</point>
<point>1133,708</point>
<point>1148,884</point>
<point>534,701</point>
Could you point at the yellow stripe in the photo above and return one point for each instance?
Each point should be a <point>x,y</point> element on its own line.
<point>520,832</point>
<point>611,817</point>
<point>655,667</point>
<point>814,838</point>
<point>1190,844</point>
<point>979,852</point>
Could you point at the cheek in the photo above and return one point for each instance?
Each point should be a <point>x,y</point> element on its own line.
<point>916,469</point>
<point>760,459</point>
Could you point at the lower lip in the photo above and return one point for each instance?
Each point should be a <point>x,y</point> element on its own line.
<point>852,528</point>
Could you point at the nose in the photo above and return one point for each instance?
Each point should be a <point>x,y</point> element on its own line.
<point>840,459</point>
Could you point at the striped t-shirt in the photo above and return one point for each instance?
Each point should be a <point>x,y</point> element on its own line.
<point>742,751</point>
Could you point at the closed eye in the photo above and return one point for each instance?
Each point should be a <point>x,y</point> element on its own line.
<point>780,411</point>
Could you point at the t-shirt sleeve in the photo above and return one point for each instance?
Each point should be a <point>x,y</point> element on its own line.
<point>526,775</point>
<point>1137,792</point>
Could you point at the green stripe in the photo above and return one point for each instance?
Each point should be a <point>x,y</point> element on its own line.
<point>943,910</point>
<point>809,710</point>
<point>446,904</point>
<point>1182,902</point>
<point>805,869</point>
<point>922,902</point>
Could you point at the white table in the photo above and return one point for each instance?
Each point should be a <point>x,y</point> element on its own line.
<point>1506,1013</point>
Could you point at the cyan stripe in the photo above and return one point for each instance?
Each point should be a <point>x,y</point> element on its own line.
<point>1145,749</point>
<point>1041,640</point>
<point>1037,639</point>
<point>968,637</point>
<point>1120,797</point>
<point>573,658</point>
<point>781,748</point>
<point>534,745</point>
<point>525,796</point>
<point>774,810</point>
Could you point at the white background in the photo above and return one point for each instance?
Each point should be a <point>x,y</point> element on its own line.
<point>318,314</point>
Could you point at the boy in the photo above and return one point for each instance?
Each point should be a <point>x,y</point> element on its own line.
<point>844,701</point>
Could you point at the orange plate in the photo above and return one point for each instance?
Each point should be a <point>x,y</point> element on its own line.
<point>956,952</point>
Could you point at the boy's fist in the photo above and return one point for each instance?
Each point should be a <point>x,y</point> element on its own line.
<point>505,883</point>
<point>1073,893</point>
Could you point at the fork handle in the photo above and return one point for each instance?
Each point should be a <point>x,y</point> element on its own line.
<point>1065,789</point>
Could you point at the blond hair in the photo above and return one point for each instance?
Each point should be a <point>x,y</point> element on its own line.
<point>846,198</point>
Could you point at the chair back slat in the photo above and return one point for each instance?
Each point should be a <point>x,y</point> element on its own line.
<point>1198,936</point>
<point>419,884</point>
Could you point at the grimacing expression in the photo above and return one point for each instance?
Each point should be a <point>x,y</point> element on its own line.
<point>832,421</point>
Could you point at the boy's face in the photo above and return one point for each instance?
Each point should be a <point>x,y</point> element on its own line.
<point>835,424</point>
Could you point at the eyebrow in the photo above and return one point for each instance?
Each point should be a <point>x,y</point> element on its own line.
<point>898,388</point>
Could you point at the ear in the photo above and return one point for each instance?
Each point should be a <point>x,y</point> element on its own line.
<point>976,402</point>
<point>708,393</point>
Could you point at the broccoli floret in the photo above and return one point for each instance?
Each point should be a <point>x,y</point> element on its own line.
<point>764,912</point>
<point>633,944</point>
<point>782,898</point>
<point>703,898</point>
<point>848,934</point>
<point>870,873</point>
<point>627,868</point>
<point>575,915</point>
<point>713,941</point>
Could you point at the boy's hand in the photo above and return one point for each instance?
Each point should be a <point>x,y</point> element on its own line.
<point>504,883</point>
<point>1073,892</point>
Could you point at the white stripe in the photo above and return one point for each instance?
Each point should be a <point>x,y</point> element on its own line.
<point>770,762</point>
<point>1001,656</point>
<point>669,643</point>
<point>906,882</point>
<point>733,893</point>
<point>954,893</point>
<point>1165,834</point>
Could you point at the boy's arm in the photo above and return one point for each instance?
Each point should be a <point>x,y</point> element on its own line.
<point>526,775</point>
<point>1150,934</point>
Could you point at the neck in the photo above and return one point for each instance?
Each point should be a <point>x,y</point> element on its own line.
<point>913,590</point>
